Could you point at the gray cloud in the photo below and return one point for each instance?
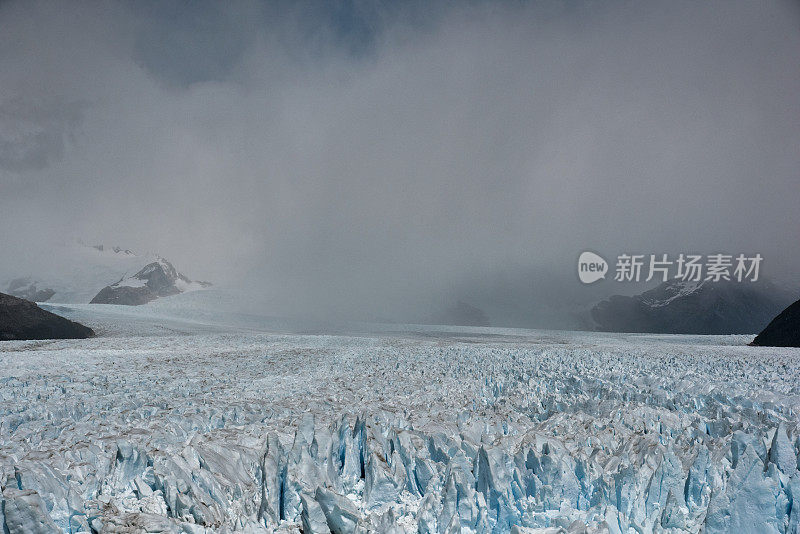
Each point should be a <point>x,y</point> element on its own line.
<point>184,44</point>
<point>378,161</point>
<point>33,134</point>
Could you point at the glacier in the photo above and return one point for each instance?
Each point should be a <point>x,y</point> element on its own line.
<point>178,425</point>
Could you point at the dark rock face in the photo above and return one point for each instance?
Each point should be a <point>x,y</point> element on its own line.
<point>157,279</point>
<point>130,296</point>
<point>783,330</point>
<point>160,278</point>
<point>25,289</point>
<point>22,319</point>
<point>678,307</point>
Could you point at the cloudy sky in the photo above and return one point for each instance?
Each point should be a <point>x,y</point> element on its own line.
<point>379,159</point>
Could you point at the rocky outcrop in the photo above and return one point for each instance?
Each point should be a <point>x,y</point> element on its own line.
<point>783,330</point>
<point>681,307</point>
<point>130,296</point>
<point>22,319</point>
<point>157,279</point>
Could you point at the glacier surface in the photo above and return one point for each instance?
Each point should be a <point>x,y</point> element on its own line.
<point>183,426</point>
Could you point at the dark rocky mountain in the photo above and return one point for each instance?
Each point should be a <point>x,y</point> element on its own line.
<point>22,319</point>
<point>26,289</point>
<point>157,279</point>
<point>783,330</point>
<point>130,296</point>
<point>681,307</point>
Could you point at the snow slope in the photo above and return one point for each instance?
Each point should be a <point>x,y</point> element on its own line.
<point>169,423</point>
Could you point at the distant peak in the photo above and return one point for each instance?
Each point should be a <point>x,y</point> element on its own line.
<point>107,249</point>
<point>156,279</point>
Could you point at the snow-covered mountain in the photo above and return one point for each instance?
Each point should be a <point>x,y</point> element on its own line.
<point>71,272</point>
<point>688,307</point>
<point>156,279</point>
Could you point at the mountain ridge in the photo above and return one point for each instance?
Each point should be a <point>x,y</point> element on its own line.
<point>689,307</point>
<point>154,280</point>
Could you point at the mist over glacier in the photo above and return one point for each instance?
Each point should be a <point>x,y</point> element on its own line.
<point>383,161</point>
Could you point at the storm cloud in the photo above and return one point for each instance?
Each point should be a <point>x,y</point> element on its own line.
<point>378,160</point>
